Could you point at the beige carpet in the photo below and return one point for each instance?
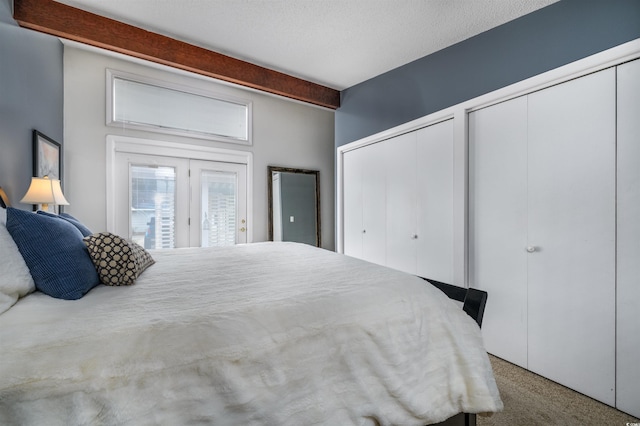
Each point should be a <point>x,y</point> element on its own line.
<point>531,400</point>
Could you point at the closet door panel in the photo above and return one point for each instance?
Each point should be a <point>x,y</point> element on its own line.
<point>434,227</point>
<point>401,202</point>
<point>571,289</point>
<point>628,240</point>
<point>353,165</point>
<point>374,203</point>
<point>498,224</point>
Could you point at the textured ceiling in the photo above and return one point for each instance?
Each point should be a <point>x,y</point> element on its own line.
<point>336,43</point>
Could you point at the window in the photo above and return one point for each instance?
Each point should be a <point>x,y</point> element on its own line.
<point>153,199</point>
<point>146,104</point>
<point>219,206</point>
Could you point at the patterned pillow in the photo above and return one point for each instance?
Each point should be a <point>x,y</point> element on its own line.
<point>118,261</point>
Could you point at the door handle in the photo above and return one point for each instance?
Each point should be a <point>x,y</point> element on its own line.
<point>531,249</point>
<point>243,229</point>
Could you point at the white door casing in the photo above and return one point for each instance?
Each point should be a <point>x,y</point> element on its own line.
<point>628,239</point>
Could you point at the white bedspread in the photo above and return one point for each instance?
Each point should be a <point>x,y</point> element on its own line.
<point>258,334</point>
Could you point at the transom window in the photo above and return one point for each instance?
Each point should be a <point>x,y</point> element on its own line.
<point>143,103</point>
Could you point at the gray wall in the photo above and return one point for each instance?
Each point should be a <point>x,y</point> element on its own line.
<point>285,134</point>
<point>31,97</point>
<point>543,40</point>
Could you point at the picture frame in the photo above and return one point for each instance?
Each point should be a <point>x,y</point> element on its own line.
<point>47,156</point>
<point>47,159</point>
<point>4,199</point>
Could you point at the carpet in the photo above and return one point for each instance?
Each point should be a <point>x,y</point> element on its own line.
<point>530,399</point>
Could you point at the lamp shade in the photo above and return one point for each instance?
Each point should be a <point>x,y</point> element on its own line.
<point>44,191</point>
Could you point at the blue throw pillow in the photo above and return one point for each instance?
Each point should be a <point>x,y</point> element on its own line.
<point>75,222</point>
<point>54,252</point>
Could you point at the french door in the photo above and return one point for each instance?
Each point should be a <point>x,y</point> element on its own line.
<point>168,202</point>
<point>218,203</point>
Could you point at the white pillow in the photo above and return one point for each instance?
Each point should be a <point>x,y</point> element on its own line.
<point>15,278</point>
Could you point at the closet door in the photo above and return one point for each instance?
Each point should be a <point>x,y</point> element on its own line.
<point>401,202</point>
<point>365,203</point>
<point>498,224</point>
<point>571,263</point>
<point>353,165</point>
<point>434,189</point>
<point>628,240</point>
<point>373,204</point>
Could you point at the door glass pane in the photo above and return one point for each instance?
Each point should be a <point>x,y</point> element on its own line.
<point>153,209</point>
<point>219,208</point>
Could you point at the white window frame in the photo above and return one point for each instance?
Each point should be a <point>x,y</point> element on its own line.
<point>116,143</point>
<point>113,122</point>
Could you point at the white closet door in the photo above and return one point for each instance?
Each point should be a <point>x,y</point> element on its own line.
<point>373,204</point>
<point>401,202</point>
<point>364,203</point>
<point>628,270</point>
<point>434,224</point>
<point>353,164</point>
<point>571,289</point>
<point>498,224</point>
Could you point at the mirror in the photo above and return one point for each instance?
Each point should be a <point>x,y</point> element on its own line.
<point>294,205</point>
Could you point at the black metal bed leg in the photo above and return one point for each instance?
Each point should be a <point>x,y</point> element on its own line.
<point>469,419</point>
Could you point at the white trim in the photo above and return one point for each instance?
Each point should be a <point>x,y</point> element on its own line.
<point>612,57</point>
<point>111,74</point>
<point>131,145</point>
<point>460,199</point>
<point>418,123</point>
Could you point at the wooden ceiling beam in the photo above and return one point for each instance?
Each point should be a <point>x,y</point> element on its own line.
<point>67,22</point>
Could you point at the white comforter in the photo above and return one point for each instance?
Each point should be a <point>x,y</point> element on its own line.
<point>258,334</point>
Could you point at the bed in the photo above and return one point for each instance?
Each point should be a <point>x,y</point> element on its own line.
<point>256,334</point>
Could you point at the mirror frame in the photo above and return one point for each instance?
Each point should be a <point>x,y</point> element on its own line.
<point>270,170</point>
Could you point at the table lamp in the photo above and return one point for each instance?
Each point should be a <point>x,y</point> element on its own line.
<point>45,191</point>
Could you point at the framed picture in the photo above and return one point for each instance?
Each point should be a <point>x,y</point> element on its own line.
<point>4,200</point>
<point>47,157</point>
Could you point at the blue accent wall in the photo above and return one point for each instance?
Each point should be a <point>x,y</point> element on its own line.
<point>556,35</point>
<point>31,97</point>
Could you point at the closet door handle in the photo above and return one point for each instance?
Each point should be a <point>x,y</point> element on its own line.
<point>531,249</point>
<point>414,236</point>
